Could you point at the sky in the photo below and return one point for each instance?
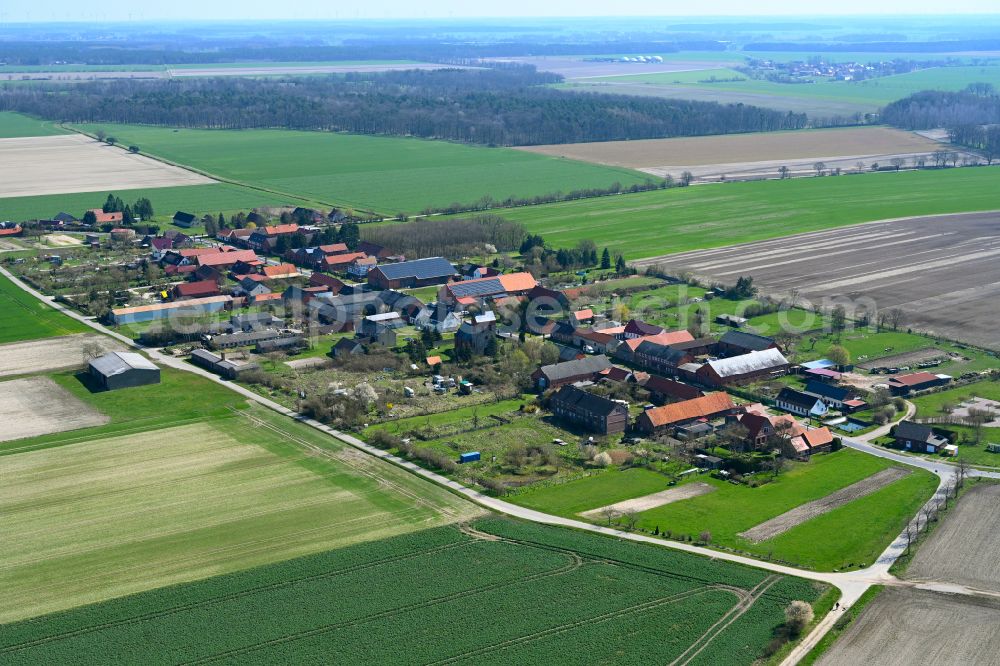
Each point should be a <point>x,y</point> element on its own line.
<point>123,10</point>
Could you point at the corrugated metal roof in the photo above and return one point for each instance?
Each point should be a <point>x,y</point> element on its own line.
<point>745,364</point>
<point>583,366</point>
<point>746,340</point>
<point>115,363</point>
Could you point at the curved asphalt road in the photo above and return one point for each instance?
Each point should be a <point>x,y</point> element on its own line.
<point>852,584</point>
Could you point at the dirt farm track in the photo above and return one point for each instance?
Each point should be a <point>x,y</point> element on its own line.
<point>942,271</point>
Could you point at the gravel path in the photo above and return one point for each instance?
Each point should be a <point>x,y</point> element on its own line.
<point>800,514</point>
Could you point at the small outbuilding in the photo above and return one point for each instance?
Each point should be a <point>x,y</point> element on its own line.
<point>118,370</point>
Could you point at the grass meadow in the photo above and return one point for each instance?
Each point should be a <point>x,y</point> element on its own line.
<point>15,125</point>
<point>23,317</point>
<point>650,224</point>
<point>116,515</point>
<point>863,528</point>
<point>440,596</point>
<point>384,174</point>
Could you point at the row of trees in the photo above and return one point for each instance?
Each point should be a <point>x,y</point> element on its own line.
<point>493,106</point>
<point>977,105</point>
<point>482,234</point>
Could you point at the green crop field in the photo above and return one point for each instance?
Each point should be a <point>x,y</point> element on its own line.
<point>649,224</point>
<point>853,534</point>
<point>505,593</point>
<point>198,199</point>
<point>14,125</point>
<point>24,317</point>
<point>116,515</point>
<point>822,97</point>
<point>385,174</point>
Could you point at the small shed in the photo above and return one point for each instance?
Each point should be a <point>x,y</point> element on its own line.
<point>118,370</point>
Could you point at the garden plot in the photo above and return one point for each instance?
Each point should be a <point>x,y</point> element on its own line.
<point>906,626</point>
<point>38,406</point>
<point>32,166</point>
<point>651,501</point>
<point>800,514</point>
<point>21,358</point>
<point>963,549</point>
<point>906,358</point>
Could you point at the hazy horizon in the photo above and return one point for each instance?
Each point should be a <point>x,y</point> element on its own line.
<point>55,11</point>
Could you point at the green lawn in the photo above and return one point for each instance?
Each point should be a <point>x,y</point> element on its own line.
<point>866,95</point>
<point>677,220</point>
<point>14,125</point>
<point>24,317</point>
<point>536,595</point>
<point>179,398</point>
<point>385,174</point>
<point>853,533</point>
<point>591,492</point>
<point>198,199</point>
<point>929,406</point>
<point>117,515</point>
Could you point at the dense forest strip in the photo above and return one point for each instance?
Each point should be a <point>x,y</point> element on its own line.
<point>504,106</point>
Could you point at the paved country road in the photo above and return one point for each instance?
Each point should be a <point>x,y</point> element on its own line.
<point>852,584</point>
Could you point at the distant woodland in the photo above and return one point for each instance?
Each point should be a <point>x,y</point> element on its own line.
<point>504,105</point>
<point>978,104</point>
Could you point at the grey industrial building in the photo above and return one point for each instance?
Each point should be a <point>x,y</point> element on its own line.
<point>118,370</point>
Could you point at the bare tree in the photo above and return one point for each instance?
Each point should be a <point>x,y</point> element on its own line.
<point>783,172</point>
<point>977,418</point>
<point>897,162</point>
<point>963,473</point>
<point>90,351</point>
<point>820,167</point>
<point>631,518</point>
<point>609,513</point>
<point>860,166</point>
<point>896,318</point>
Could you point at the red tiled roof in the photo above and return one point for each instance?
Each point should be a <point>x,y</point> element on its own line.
<point>343,259</point>
<point>334,248</point>
<point>584,314</point>
<point>713,403</point>
<point>433,360</point>
<point>196,289</point>
<point>200,251</point>
<point>279,229</point>
<point>281,270</point>
<point>227,258</point>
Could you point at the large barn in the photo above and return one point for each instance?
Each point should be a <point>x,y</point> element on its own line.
<point>117,370</point>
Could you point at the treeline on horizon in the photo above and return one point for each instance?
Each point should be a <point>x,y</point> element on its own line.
<point>35,53</point>
<point>944,46</point>
<point>503,106</point>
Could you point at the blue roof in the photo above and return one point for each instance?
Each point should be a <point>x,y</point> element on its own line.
<point>431,267</point>
<point>819,364</point>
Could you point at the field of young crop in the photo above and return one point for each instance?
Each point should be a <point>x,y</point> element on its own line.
<point>662,222</point>
<point>111,516</point>
<point>494,592</point>
<point>24,317</point>
<point>847,536</point>
<point>15,125</point>
<point>385,174</point>
<point>198,199</point>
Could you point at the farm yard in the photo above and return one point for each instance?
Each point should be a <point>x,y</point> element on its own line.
<point>352,170</point>
<point>38,406</point>
<point>940,271</point>
<point>20,358</point>
<point>906,626</point>
<point>36,166</point>
<point>490,601</point>
<point>757,155</point>
<point>159,507</point>
<point>650,224</point>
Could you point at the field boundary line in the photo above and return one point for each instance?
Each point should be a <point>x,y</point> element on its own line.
<point>235,595</point>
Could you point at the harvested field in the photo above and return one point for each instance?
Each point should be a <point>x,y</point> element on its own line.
<point>38,406</point>
<point>21,358</point>
<point>751,155</point>
<point>33,166</point>
<point>963,549</point>
<point>652,501</point>
<point>800,514</point>
<point>906,626</point>
<point>905,358</point>
<point>941,271</point>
